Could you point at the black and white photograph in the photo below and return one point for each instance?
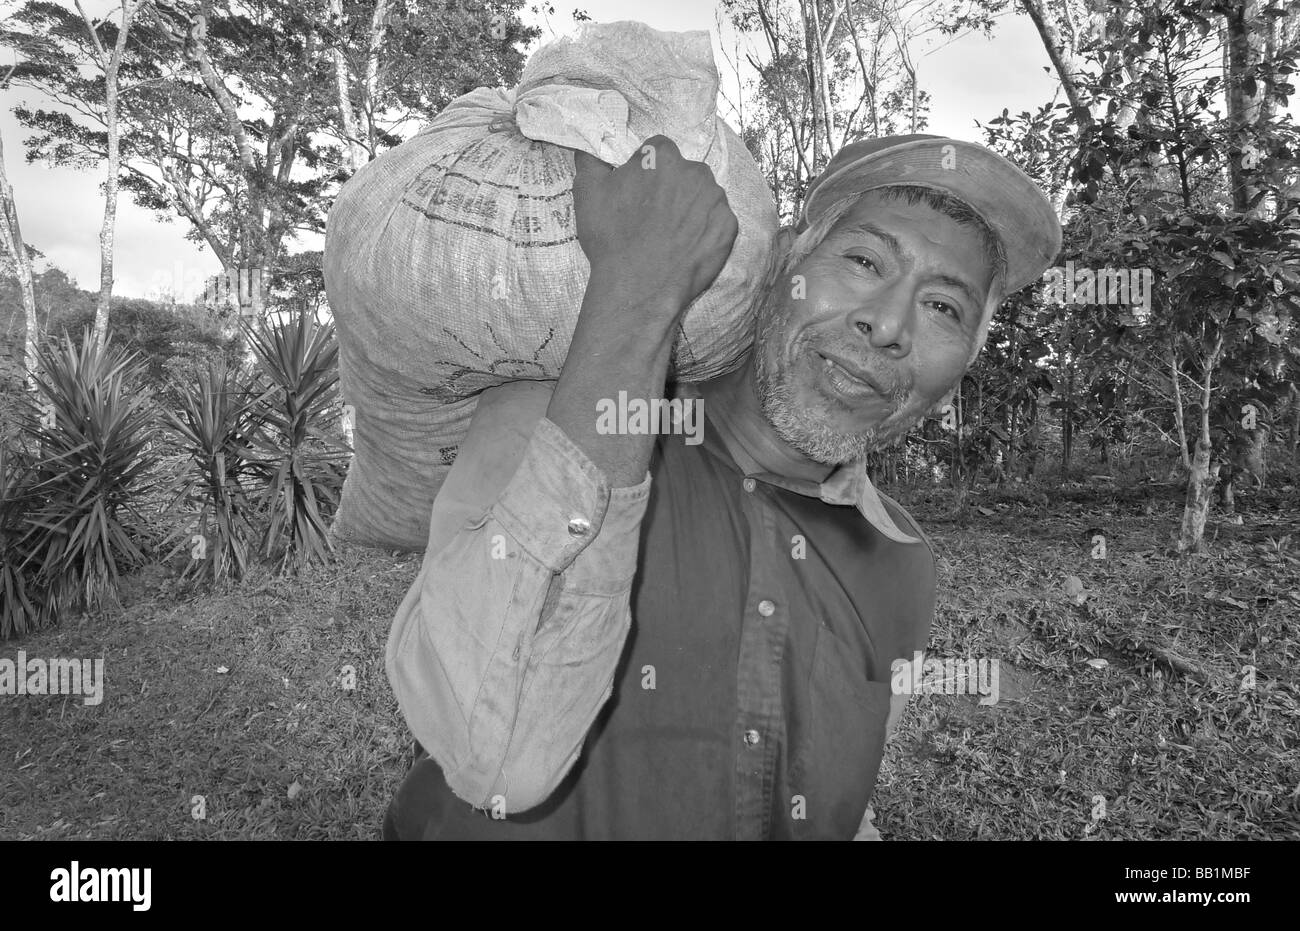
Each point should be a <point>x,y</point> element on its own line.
<point>861,420</point>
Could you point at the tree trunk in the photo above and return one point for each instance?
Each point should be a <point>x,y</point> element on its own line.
<point>1200,482</point>
<point>1197,509</point>
<point>11,238</point>
<point>1067,415</point>
<point>1180,425</point>
<point>911,77</point>
<point>252,294</point>
<point>341,84</point>
<point>1067,435</point>
<point>1244,49</point>
<point>110,63</point>
<point>1255,455</point>
<point>1293,441</point>
<point>108,229</point>
<point>259,242</point>
<point>1033,440</point>
<point>242,291</point>
<point>1061,57</point>
<point>1227,493</point>
<point>1013,438</point>
<point>1009,422</point>
<point>819,116</point>
<point>370,86</point>
<point>1068,64</point>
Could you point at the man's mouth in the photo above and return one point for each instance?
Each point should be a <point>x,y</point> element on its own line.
<point>850,383</point>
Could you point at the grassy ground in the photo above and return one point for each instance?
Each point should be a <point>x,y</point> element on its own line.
<point>235,696</point>
<point>238,695</point>
<point>1122,713</point>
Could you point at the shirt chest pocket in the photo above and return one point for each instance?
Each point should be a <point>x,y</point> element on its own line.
<point>840,744</point>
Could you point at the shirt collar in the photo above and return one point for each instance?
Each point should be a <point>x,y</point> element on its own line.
<point>848,484</point>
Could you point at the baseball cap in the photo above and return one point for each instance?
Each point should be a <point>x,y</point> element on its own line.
<point>1003,195</point>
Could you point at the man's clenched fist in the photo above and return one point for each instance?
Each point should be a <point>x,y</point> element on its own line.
<point>658,224</point>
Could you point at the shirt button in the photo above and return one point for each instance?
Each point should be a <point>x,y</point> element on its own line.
<point>751,737</point>
<point>749,484</point>
<point>579,526</point>
<point>766,608</point>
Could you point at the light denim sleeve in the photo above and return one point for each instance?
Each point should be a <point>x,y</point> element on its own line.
<point>504,649</point>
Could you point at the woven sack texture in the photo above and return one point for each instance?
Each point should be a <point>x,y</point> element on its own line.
<point>452,262</point>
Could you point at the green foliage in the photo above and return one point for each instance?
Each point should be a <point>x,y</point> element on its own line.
<point>301,466</point>
<point>93,426</point>
<point>801,104</point>
<point>258,468</point>
<point>244,185</point>
<point>214,425</point>
<point>1167,170</point>
<point>19,613</point>
<point>298,284</point>
<point>171,341</point>
<point>55,295</point>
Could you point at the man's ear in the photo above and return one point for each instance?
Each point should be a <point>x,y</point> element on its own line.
<point>781,244</point>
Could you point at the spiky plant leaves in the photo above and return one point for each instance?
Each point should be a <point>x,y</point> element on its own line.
<point>215,423</point>
<point>301,465</point>
<point>22,610</point>
<point>94,427</point>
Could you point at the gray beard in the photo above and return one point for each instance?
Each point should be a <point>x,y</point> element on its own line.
<point>806,431</point>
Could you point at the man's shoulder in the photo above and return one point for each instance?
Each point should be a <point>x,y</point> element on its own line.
<point>906,522</point>
<point>919,625</point>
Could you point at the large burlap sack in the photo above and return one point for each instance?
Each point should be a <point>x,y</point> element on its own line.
<point>452,262</point>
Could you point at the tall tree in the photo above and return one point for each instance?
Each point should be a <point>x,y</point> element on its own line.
<point>357,151</point>
<point>1178,193</point>
<point>824,72</point>
<point>396,64</point>
<point>272,52</point>
<point>110,64</point>
<point>11,240</point>
<point>235,107</point>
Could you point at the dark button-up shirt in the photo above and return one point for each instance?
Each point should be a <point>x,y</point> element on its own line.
<point>750,695</point>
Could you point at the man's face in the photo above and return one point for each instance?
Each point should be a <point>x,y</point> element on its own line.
<point>891,303</point>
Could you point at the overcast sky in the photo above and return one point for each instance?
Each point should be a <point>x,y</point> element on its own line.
<point>61,210</point>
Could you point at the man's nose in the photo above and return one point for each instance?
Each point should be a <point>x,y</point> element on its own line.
<point>886,319</point>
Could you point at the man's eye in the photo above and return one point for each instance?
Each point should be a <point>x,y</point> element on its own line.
<point>864,261</point>
<point>946,308</point>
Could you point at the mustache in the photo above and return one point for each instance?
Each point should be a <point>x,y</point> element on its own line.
<point>894,383</point>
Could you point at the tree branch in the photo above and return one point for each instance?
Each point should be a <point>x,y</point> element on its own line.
<point>93,28</point>
<point>216,87</point>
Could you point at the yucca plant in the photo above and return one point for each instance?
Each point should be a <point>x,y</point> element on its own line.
<point>301,465</point>
<point>93,424</point>
<point>215,423</point>
<point>21,608</point>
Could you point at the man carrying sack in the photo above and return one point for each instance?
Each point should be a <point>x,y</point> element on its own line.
<point>626,634</point>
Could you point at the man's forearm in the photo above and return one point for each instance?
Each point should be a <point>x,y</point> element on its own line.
<point>498,682</point>
<point>623,342</point>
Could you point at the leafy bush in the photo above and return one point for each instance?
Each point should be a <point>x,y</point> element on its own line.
<point>215,424</point>
<point>93,425</point>
<point>19,613</point>
<point>302,467</point>
<point>167,338</point>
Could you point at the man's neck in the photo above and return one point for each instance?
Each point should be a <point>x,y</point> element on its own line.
<point>733,400</point>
